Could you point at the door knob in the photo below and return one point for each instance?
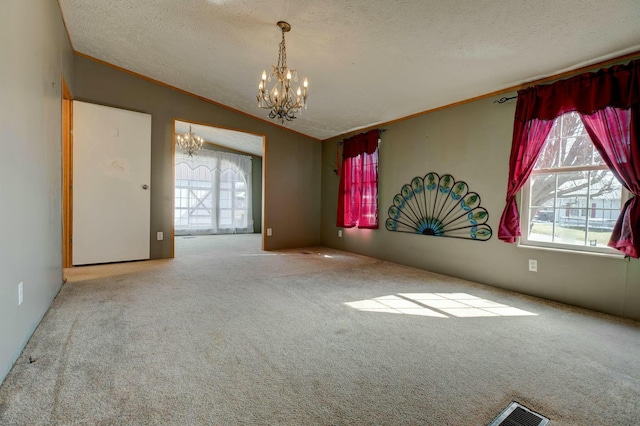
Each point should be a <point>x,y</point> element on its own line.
<point>145,186</point>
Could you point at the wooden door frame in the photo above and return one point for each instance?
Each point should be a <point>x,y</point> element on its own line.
<point>67,175</point>
<point>173,174</point>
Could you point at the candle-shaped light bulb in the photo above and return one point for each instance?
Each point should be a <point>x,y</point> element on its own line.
<point>306,83</point>
<point>288,75</point>
<point>264,75</point>
<point>299,92</point>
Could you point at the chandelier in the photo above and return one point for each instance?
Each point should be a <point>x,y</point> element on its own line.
<point>281,101</point>
<point>190,142</point>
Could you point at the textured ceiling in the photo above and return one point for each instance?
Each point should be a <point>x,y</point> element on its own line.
<point>368,61</point>
<point>239,141</point>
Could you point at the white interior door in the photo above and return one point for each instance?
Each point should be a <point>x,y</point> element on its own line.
<point>111,176</point>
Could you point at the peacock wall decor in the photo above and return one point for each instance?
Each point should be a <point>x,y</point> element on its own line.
<point>439,206</point>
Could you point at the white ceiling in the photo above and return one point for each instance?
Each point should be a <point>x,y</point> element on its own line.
<point>239,141</point>
<point>368,61</point>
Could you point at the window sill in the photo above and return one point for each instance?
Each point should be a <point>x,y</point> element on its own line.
<point>570,251</point>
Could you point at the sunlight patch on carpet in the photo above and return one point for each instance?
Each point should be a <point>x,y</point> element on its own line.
<point>440,305</point>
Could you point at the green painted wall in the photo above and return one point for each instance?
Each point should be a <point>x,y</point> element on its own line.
<point>472,142</point>
<point>291,166</point>
<point>35,54</point>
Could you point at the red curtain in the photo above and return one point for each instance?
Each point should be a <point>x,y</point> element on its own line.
<point>601,97</point>
<point>617,142</point>
<point>358,192</point>
<point>528,137</point>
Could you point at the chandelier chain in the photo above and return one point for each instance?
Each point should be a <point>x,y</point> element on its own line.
<point>282,55</point>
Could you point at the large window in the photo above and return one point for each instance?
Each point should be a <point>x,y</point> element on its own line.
<point>571,190</point>
<point>213,193</point>
<point>358,191</point>
<point>572,199</point>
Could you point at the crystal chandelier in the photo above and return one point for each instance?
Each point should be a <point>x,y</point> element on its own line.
<point>282,102</point>
<point>190,142</point>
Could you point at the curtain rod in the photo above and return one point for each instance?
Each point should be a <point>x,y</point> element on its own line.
<point>503,99</point>
<point>380,131</point>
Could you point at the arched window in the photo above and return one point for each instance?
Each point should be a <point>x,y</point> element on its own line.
<point>213,193</point>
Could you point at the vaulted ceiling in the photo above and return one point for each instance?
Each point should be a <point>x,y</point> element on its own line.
<point>367,61</point>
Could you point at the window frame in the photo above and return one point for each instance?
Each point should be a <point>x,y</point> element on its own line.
<point>525,209</point>
<point>190,187</point>
<point>213,184</point>
<point>354,185</point>
<point>237,177</point>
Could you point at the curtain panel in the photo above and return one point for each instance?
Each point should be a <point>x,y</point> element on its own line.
<point>358,191</point>
<point>213,193</point>
<point>614,133</point>
<point>608,102</point>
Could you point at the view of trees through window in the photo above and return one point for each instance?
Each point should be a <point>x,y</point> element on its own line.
<point>573,197</point>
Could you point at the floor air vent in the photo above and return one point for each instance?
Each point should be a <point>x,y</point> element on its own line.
<point>518,415</point>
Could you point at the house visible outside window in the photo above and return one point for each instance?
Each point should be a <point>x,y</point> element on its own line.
<point>572,200</point>
<point>585,197</point>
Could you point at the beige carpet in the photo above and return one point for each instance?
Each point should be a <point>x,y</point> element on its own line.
<point>225,334</point>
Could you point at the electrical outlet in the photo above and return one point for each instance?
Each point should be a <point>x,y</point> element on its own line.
<point>20,293</point>
<point>533,265</point>
<point>160,236</point>
<point>269,232</point>
<point>339,233</point>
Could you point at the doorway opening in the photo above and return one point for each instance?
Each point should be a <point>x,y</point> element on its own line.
<point>219,189</point>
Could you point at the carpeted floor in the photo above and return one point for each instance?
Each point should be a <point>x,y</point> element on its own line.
<point>225,334</point>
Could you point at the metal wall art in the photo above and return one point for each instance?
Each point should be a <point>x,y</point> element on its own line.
<point>441,207</point>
